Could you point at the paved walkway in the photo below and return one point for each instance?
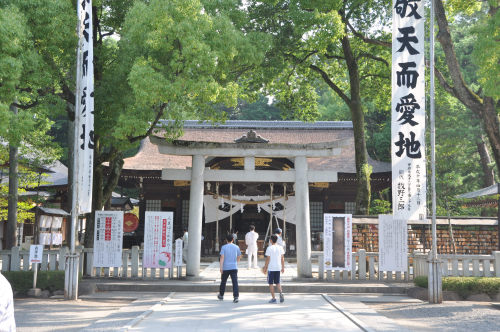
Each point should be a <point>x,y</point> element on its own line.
<point>203,312</point>
<point>246,275</point>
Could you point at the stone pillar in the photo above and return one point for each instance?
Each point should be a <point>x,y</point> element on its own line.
<point>303,230</point>
<point>195,216</point>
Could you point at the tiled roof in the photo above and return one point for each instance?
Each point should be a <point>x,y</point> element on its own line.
<point>148,157</point>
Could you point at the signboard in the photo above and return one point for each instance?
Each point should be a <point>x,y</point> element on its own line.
<point>130,222</point>
<point>337,241</point>
<point>108,238</point>
<point>178,252</point>
<point>84,119</point>
<point>408,111</point>
<point>158,234</point>
<point>36,253</point>
<point>392,244</point>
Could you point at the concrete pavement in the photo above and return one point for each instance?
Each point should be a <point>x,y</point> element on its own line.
<point>204,312</point>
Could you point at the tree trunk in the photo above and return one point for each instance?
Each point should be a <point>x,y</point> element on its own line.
<point>363,169</point>
<point>484,108</point>
<point>484,155</point>
<point>11,238</point>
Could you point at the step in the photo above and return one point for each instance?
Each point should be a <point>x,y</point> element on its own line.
<point>315,287</point>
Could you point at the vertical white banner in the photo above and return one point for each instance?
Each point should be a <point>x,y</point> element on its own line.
<point>108,238</point>
<point>337,241</point>
<point>158,236</point>
<point>84,107</point>
<point>408,111</point>
<point>392,243</point>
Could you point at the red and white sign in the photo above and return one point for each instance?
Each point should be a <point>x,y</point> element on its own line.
<point>337,241</point>
<point>108,238</point>
<point>158,236</point>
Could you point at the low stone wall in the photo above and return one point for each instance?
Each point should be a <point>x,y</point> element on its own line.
<point>472,236</point>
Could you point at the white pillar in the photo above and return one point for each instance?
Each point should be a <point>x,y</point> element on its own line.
<point>303,230</point>
<point>195,216</point>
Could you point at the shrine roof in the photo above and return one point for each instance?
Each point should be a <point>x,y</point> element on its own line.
<point>289,132</point>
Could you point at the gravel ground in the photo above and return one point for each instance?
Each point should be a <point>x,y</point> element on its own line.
<point>449,316</point>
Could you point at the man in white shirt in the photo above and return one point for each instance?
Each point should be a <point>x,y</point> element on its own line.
<point>251,242</point>
<point>275,263</point>
<point>7,321</point>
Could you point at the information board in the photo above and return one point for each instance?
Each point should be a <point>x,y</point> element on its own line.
<point>337,241</point>
<point>108,238</point>
<point>158,234</point>
<point>392,243</point>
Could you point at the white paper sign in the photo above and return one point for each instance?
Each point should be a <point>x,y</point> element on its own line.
<point>408,111</point>
<point>36,253</point>
<point>178,252</point>
<point>158,234</point>
<point>337,241</point>
<point>392,244</point>
<point>108,238</point>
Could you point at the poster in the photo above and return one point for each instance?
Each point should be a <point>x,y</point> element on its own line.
<point>408,111</point>
<point>108,238</point>
<point>158,234</point>
<point>392,243</point>
<point>178,252</point>
<point>36,253</point>
<point>337,241</point>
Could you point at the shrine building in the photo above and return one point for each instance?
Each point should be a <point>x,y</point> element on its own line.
<point>216,178</point>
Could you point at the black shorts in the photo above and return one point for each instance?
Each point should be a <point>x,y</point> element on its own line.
<point>273,277</point>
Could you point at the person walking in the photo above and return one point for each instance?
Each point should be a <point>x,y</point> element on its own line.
<point>275,263</point>
<point>235,236</point>
<point>251,242</point>
<point>230,255</point>
<point>280,242</point>
<point>7,320</point>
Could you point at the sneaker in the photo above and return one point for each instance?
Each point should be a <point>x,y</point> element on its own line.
<point>220,297</point>
<point>272,301</point>
<point>282,298</point>
<point>235,300</point>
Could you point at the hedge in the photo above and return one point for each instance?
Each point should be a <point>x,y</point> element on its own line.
<point>465,286</point>
<point>22,281</point>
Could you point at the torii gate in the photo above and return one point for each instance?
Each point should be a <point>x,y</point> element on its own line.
<point>300,176</point>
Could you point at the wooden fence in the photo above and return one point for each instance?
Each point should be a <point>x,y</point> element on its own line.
<point>364,267</point>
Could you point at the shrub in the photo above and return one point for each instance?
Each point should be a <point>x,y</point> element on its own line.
<point>22,281</point>
<point>465,286</point>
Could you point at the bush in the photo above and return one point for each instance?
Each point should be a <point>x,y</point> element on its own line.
<point>22,281</point>
<point>466,286</point>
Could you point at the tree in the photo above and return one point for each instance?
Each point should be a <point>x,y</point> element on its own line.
<point>484,102</point>
<point>172,60</point>
<point>25,87</point>
<point>322,41</point>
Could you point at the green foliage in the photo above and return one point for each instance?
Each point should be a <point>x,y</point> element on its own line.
<point>379,206</point>
<point>421,281</point>
<point>22,281</point>
<point>465,286</point>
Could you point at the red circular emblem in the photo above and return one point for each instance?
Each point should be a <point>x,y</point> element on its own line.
<point>130,222</point>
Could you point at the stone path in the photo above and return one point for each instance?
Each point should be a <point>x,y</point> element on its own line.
<point>203,312</point>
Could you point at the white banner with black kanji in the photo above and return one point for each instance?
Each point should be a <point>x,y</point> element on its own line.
<point>408,111</point>
<point>84,107</point>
